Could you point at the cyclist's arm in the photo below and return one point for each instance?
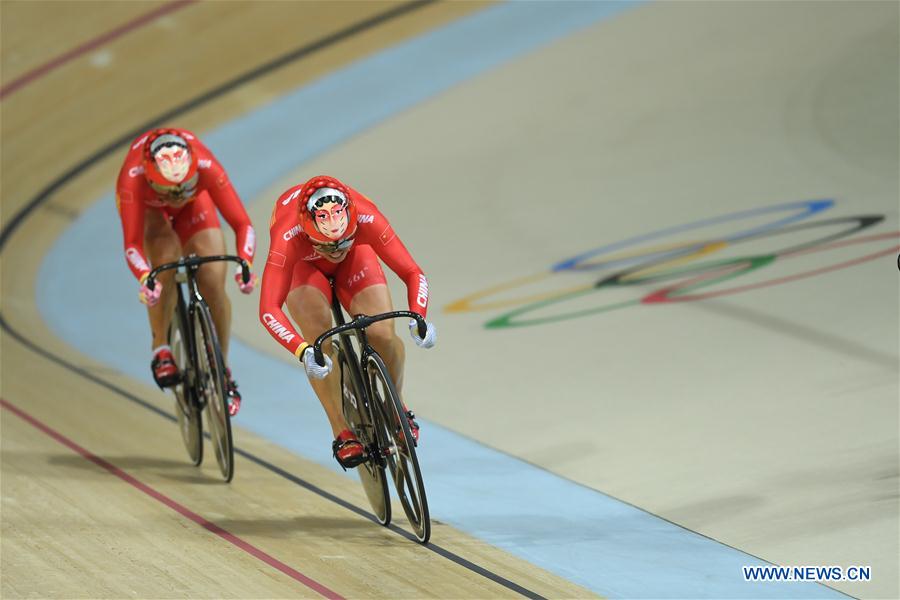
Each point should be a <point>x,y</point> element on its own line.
<point>131,212</point>
<point>380,235</point>
<point>215,180</point>
<point>276,283</point>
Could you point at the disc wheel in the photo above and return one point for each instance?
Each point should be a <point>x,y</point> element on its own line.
<point>187,411</point>
<point>398,448</point>
<point>211,388</point>
<point>359,418</point>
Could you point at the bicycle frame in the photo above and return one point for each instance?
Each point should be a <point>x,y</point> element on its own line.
<point>186,308</point>
<point>386,452</point>
<point>184,311</point>
<point>358,326</point>
<point>203,384</point>
<point>352,359</point>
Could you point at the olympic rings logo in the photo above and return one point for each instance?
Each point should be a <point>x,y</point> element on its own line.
<point>673,269</point>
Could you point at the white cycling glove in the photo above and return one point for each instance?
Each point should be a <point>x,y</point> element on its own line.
<point>245,288</point>
<point>430,335</point>
<point>148,296</point>
<point>312,367</point>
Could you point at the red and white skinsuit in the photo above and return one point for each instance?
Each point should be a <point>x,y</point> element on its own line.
<point>293,262</point>
<point>134,196</point>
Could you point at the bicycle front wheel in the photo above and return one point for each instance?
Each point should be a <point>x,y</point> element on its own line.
<point>187,410</point>
<point>398,447</point>
<point>210,385</point>
<point>358,414</point>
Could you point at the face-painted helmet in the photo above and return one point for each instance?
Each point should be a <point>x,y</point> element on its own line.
<point>170,165</point>
<point>327,214</point>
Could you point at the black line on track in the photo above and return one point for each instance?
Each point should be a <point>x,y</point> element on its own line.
<point>302,52</point>
<point>58,183</point>
<point>271,467</point>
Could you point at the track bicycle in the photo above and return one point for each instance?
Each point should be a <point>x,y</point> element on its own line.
<point>377,417</point>
<point>195,346</point>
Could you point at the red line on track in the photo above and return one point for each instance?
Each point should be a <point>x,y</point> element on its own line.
<point>92,44</point>
<point>184,511</point>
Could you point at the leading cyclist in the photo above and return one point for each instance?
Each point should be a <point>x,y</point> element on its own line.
<point>324,228</point>
<point>167,194</point>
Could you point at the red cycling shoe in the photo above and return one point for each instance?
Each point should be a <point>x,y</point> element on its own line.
<point>413,426</point>
<point>348,450</point>
<point>234,396</point>
<point>165,371</point>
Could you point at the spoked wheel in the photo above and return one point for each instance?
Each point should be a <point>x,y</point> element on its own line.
<point>187,411</point>
<point>211,389</point>
<point>398,448</point>
<point>358,415</point>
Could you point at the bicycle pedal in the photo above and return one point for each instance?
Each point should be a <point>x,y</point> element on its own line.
<point>168,382</point>
<point>353,463</point>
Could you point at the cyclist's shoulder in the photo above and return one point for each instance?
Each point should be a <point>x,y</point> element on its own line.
<point>360,199</point>
<point>137,144</point>
<point>131,174</point>
<point>367,212</point>
<point>284,213</point>
<point>133,163</point>
<point>288,200</point>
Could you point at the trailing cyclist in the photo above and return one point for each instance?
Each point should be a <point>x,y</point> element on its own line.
<point>167,194</point>
<point>323,228</point>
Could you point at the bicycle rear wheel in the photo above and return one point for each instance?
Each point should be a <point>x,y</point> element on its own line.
<point>187,410</point>
<point>398,447</point>
<point>210,385</point>
<point>359,417</point>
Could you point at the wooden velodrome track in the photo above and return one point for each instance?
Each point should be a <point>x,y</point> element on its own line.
<point>70,528</point>
<point>764,421</point>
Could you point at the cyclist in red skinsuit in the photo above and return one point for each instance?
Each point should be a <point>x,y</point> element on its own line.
<point>324,228</point>
<point>167,194</point>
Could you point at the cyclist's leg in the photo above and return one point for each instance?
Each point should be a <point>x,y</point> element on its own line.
<point>362,289</point>
<point>162,246</point>
<point>309,306</point>
<point>198,226</point>
<point>383,337</point>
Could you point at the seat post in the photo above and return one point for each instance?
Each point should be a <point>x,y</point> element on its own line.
<point>336,304</point>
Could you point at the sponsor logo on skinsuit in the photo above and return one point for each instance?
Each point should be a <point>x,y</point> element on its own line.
<point>277,328</point>
<point>137,261</point>
<point>291,233</point>
<point>287,200</point>
<point>422,296</point>
<point>250,242</point>
<point>357,277</point>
